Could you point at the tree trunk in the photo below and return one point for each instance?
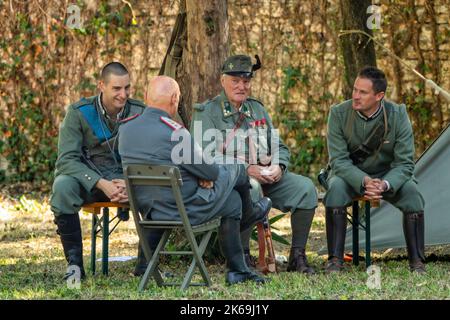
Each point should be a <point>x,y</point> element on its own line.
<point>199,47</point>
<point>358,50</point>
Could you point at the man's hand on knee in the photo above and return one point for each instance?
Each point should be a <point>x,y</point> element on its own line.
<point>274,172</point>
<point>122,196</point>
<point>115,190</point>
<point>207,184</point>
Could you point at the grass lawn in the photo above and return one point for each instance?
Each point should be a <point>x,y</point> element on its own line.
<point>32,263</point>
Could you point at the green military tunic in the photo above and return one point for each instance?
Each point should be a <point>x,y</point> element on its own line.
<point>393,162</point>
<point>87,151</point>
<point>292,191</point>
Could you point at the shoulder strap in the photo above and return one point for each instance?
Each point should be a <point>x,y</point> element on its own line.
<point>374,142</point>
<point>171,123</point>
<point>129,118</point>
<point>95,122</point>
<point>233,132</point>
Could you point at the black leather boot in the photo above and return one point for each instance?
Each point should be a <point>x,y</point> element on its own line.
<point>336,227</point>
<point>230,242</point>
<point>298,261</point>
<point>414,231</point>
<point>251,212</point>
<point>250,260</point>
<point>259,212</point>
<point>153,237</point>
<point>141,263</point>
<point>69,231</point>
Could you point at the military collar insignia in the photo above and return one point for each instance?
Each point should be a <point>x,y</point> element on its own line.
<point>245,109</point>
<point>228,109</point>
<point>171,123</point>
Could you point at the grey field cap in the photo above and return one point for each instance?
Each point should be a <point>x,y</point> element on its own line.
<point>240,65</point>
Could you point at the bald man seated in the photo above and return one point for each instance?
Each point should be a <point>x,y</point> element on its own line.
<point>208,190</point>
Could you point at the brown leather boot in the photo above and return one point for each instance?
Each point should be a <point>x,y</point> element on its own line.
<point>414,230</point>
<point>298,261</point>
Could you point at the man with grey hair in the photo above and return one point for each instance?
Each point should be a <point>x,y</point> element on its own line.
<point>241,118</point>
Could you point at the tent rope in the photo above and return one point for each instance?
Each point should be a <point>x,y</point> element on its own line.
<point>429,82</point>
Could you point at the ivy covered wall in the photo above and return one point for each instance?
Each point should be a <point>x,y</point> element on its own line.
<point>45,65</point>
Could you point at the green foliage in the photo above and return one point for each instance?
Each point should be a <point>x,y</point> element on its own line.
<point>30,205</point>
<point>302,127</point>
<point>33,61</point>
<point>291,77</point>
<point>420,110</point>
<point>29,141</point>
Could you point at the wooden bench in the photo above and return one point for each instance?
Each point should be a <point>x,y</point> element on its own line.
<point>357,225</point>
<point>101,224</point>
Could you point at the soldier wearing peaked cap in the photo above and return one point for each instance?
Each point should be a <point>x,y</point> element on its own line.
<point>88,167</point>
<point>245,133</point>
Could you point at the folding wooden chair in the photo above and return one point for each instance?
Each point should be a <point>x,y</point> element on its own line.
<point>159,176</point>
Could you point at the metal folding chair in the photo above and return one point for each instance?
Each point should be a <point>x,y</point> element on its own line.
<point>159,176</point>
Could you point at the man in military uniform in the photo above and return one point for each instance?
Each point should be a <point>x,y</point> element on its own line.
<point>208,190</point>
<point>88,167</point>
<point>371,150</point>
<point>245,131</point>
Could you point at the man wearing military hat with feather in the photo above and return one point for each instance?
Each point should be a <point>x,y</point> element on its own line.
<point>244,130</point>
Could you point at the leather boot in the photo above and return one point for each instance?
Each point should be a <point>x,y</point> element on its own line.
<point>251,212</point>
<point>258,213</point>
<point>250,260</point>
<point>141,263</point>
<point>336,227</point>
<point>153,237</point>
<point>298,261</point>
<point>230,242</point>
<point>414,231</point>
<point>69,231</point>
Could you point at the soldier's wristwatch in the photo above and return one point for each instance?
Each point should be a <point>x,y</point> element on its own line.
<point>283,168</point>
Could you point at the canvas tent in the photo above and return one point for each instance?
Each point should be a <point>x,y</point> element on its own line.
<point>433,174</point>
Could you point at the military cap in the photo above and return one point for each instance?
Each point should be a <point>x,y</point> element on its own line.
<point>240,65</point>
